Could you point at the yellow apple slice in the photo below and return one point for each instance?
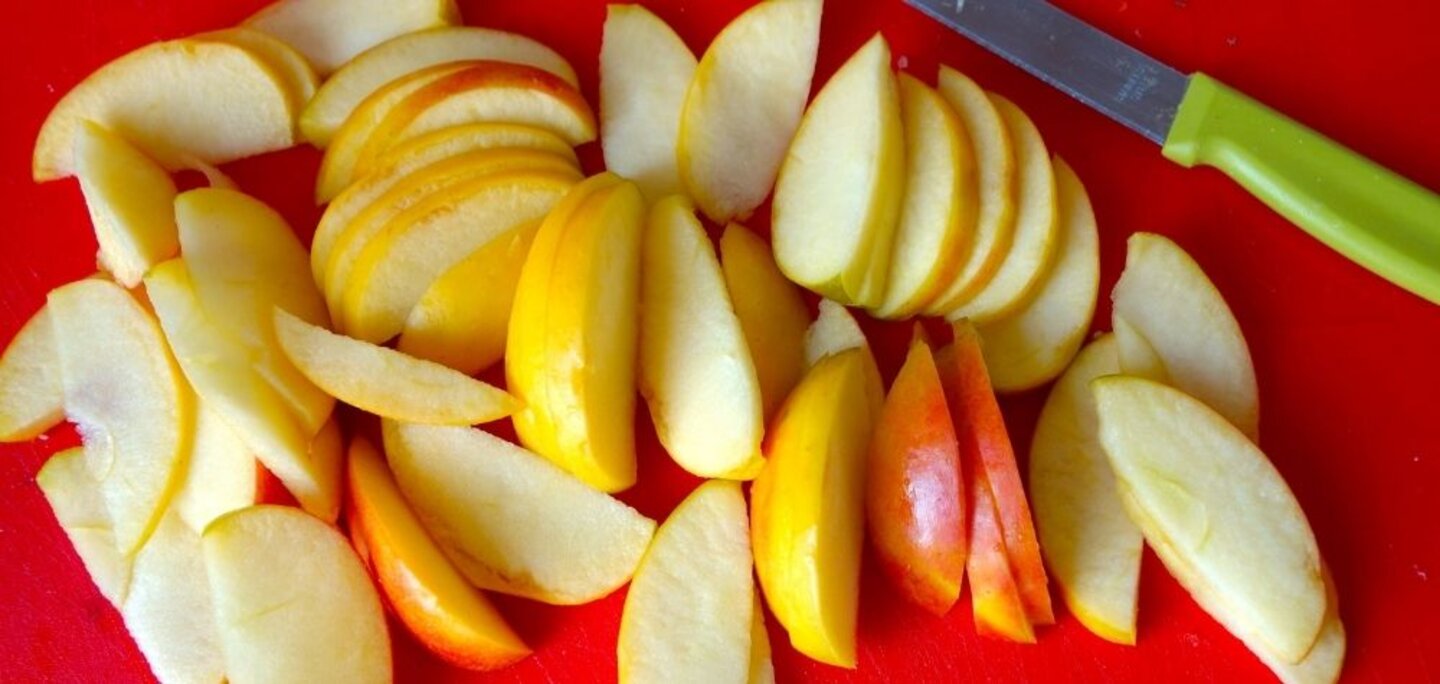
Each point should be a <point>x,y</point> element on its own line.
<point>1199,484</point>
<point>1090,545</point>
<point>645,71</point>
<point>124,393</point>
<point>401,55</point>
<point>744,104</point>
<point>1166,298</point>
<point>840,189</point>
<point>168,99</point>
<point>300,78</point>
<point>689,614</point>
<point>1033,344</point>
<point>995,175</point>
<point>32,398</point>
<point>292,601</point>
<point>772,314</point>
<point>1137,356</point>
<point>222,475</point>
<point>572,347</point>
<point>762,668</point>
<point>168,610</point>
<point>937,216</point>
<point>74,497</point>
<point>445,613</point>
<point>131,201</point>
<point>511,521</point>
<point>835,330</point>
<point>331,32</point>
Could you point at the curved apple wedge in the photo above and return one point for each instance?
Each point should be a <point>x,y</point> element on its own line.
<point>74,497</point>
<point>772,313</point>
<point>32,398</point>
<point>645,71</point>
<point>131,201</point>
<point>331,32</point>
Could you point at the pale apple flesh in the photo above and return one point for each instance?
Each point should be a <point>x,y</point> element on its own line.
<point>645,72</point>
<point>222,474</point>
<point>32,397</point>
<point>332,32</point>
<point>168,609</point>
<point>835,330</point>
<point>772,313</point>
<point>74,497</point>
<point>300,78</point>
<point>131,201</point>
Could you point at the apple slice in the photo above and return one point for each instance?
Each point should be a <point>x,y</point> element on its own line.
<point>1137,356</point>
<point>370,70</point>
<point>645,72</point>
<point>292,601</point>
<point>808,508</point>
<point>937,216</point>
<point>131,201</point>
<point>128,400</point>
<point>331,32</point>
<point>762,668</point>
<point>74,497</point>
<point>842,183</point>
<point>32,398</point>
<point>1032,345</point>
<point>572,347</point>
<point>300,78</point>
<point>169,99</point>
<point>835,331</point>
<point>772,314</point>
<point>689,614</point>
<point>997,604</point>
<point>511,521</point>
<point>1193,480</point>
<point>744,104</point>
<point>695,367</point>
<point>1165,297</point>
<point>168,609</point>
<point>447,615</point>
<point>222,475</point>
<point>1090,545</point>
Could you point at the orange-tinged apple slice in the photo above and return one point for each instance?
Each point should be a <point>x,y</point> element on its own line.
<point>645,71</point>
<point>771,311</point>
<point>1032,345</point>
<point>168,609</point>
<point>695,368</point>
<point>689,613</point>
<point>914,490</point>
<point>128,400</point>
<point>372,69</point>
<point>1165,296</point>
<point>222,474</point>
<point>835,330</point>
<point>131,201</point>
<point>292,601</point>
<point>999,609</point>
<point>386,382</point>
<point>840,189</point>
<point>32,398</point>
<point>169,99</point>
<point>1198,483</point>
<point>808,507</point>
<point>447,615</point>
<point>74,497</point>
<point>1089,543</point>
<point>744,105</point>
<point>511,521</point>
<point>331,32</point>
<point>300,78</point>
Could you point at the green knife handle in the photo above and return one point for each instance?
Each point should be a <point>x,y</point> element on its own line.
<point>1366,212</point>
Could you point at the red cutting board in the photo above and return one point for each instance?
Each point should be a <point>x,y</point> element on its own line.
<point>1349,366</point>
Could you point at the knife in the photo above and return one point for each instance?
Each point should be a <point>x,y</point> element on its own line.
<point>1370,214</point>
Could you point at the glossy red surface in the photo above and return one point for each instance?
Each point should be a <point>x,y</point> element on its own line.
<point>1348,365</point>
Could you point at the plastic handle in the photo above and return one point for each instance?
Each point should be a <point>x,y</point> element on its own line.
<point>1375,217</point>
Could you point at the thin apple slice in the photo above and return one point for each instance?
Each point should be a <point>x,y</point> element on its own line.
<point>511,521</point>
<point>1165,297</point>
<point>689,613</point>
<point>370,70</point>
<point>841,186</point>
<point>128,399</point>
<point>1090,545</point>
<point>695,368</point>
<point>1137,356</point>
<point>300,78</point>
<point>744,105</point>
<point>772,314</point>
<point>1034,344</point>
<point>74,497</point>
<point>1198,483</point>
<point>168,99</point>
<point>331,32</point>
<point>645,72</point>
<point>835,330</point>
<point>168,609</point>
<point>32,397</point>
<point>222,475</point>
<point>997,604</point>
<point>447,615</point>
<point>131,201</point>
<point>292,601</point>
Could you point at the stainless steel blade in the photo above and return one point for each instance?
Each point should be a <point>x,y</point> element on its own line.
<point>1120,81</point>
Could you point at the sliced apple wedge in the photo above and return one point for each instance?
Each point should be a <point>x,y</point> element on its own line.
<point>292,601</point>
<point>772,314</point>
<point>1032,345</point>
<point>131,201</point>
<point>744,104</point>
<point>645,72</point>
<point>835,330</point>
<point>372,69</point>
<point>840,189</point>
<point>511,521</point>
<point>168,99</point>
<point>32,397</point>
<point>168,609</point>
<point>74,497</point>
<point>331,32</point>
<point>695,368</point>
<point>996,601</point>
<point>222,474</point>
<point>300,78</point>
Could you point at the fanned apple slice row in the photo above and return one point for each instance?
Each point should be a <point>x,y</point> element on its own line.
<point>32,397</point>
<point>131,201</point>
<point>370,70</point>
<point>645,72</point>
<point>772,313</point>
<point>168,609</point>
<point>300,78</point>
<point>74,497</point>
<point>331,32</point>
<point>744,104</point>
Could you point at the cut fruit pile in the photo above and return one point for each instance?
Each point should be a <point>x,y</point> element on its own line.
<point>203,365</point>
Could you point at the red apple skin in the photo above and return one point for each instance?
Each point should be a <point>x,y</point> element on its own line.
<point>915,493</point>
<point>998,607</point>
